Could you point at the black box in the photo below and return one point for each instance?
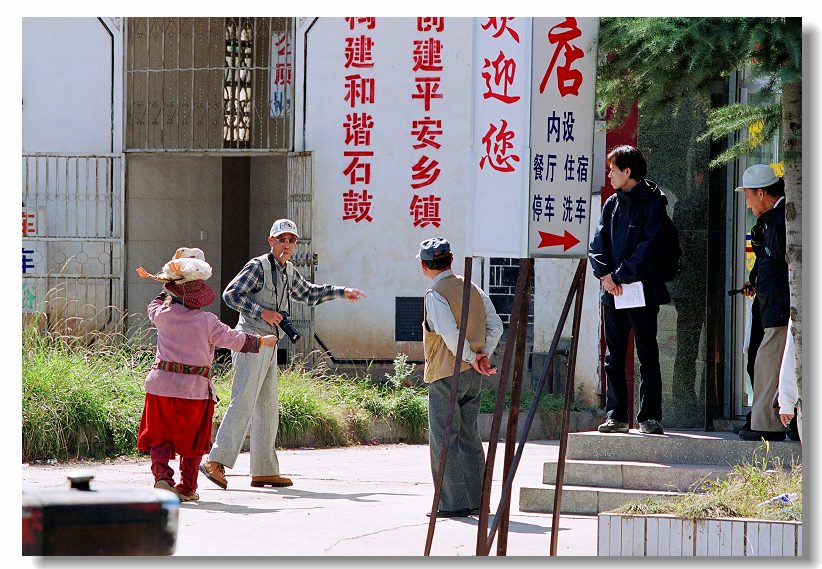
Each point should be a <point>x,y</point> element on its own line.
<point>116,521</point>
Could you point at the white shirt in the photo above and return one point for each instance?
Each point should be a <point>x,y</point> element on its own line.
<point>788,389</point>
<point>440,320</point>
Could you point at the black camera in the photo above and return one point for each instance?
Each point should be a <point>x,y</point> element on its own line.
<point>287,326</point>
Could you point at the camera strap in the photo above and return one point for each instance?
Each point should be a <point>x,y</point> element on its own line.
<point>276,278</point>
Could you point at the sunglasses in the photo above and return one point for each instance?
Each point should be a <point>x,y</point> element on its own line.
<point>284,240</point>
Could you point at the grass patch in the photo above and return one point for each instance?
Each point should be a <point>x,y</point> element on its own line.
<point>80,401</point>
<point>86,400</point>
<point>548,402</point>
<point>338,408</point>
<point>737,496</point>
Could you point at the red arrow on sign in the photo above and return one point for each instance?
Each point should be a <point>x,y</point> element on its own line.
<point>549,239</point>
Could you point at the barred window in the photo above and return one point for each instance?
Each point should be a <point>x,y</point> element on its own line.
<point>214,84</point>
<point>239,47</point>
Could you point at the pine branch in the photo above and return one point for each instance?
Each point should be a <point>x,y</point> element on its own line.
<point>659,62</point>
<point>730,119</point>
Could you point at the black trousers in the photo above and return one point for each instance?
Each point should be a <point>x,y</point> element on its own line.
<point>618,324</point>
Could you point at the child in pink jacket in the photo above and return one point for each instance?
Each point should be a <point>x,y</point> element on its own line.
<point>179,403</point>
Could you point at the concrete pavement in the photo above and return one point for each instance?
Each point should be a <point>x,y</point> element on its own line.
<point>350,501</point>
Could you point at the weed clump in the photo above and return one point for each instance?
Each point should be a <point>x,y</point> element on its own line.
<point>744,493</point>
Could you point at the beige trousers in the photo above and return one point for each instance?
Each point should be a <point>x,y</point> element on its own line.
<point>766,374</point>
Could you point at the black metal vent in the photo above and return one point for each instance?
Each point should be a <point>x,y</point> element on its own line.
<point>408,319</point>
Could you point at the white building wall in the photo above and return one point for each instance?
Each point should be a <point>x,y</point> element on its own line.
<point>378,257</point>
<point>72,106</point>
<point>552,281</point>
<point>72,69</point>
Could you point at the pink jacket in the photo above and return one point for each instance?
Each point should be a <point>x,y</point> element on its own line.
<point>189,337</point>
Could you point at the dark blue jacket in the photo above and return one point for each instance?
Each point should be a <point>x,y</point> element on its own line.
<point>770,272</point>
<point>627,241</point>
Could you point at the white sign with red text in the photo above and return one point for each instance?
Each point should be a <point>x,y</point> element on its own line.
<point>563,81</point>
<point>499,151</point>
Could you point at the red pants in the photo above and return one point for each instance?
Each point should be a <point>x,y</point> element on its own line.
<point>171,426</point>
<point>189,468</point>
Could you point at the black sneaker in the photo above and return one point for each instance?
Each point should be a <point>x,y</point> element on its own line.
<point>750,435</point>
<point>612,426</point>
<point>651,427</point>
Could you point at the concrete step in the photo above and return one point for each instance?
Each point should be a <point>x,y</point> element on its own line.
<point>634,475</point>
<point>677,447</point>
<point>547,425</point>
<point>582,500</point>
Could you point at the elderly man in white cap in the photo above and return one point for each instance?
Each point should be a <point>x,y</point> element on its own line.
<point>765,197</point>
<point>261,292</point>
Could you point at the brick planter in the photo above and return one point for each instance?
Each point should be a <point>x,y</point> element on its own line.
<point>668,536</point>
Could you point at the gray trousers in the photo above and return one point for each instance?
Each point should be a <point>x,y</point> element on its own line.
<point>766,371</point>
<point>254,404</point>
<point>465,463</point>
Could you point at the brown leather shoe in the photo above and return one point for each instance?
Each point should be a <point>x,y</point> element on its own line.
<point>280,481</point>
<point>215,472</point>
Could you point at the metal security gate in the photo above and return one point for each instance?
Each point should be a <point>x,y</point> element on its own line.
<point>72,229</point>
<point>209,84</point>
<point>300,191</point>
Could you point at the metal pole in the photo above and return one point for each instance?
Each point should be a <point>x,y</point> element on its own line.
<point>527,266</point>
<point>452,399</point>
<point>482,524</point>
<point>566,412</point>
<point>506,487</point>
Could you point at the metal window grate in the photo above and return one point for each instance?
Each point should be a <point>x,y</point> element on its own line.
<point>299,211</point>
<point>72,238</point>
<point>237,83</point>
<point>209,84</point>
<point>408,319</point>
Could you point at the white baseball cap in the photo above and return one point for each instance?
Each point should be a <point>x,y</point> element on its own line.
<point>757,176</point>
<point>283,226</point>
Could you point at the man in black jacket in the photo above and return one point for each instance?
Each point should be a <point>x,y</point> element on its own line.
<point>627,248</point>
<point>765,197</point>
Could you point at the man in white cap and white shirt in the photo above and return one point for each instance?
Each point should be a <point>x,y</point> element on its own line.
<point>765,197</point>
<point>260,292</point>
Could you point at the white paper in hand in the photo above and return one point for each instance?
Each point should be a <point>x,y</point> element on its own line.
<point>633,296</point>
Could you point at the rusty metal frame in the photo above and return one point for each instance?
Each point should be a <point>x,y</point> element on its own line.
<point>516,391</point>
<point>516,329</point>
<point>484,542</point>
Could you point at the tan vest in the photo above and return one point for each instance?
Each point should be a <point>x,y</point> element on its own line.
<point>439,361</point>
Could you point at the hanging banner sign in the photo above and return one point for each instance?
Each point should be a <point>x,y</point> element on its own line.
<point>499,152</point>
<point>563,82</point>
<point>282,79</point>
